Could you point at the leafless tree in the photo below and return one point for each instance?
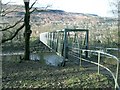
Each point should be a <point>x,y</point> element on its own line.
<point>4,12</point>
<point>22,22</point>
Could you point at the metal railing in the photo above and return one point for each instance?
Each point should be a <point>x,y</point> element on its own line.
<point>115,77</point>
<point>99,54</point>
<point>9,54</point>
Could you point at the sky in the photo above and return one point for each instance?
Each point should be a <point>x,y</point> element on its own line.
<point>99,7</point>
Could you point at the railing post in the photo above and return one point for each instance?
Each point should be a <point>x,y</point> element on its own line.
<point>50,39</point>
<point>98,62</point>
<point>87,40</point>
<point>65,43</point>
<point>53,42</point>
<point>57,36</point>
<point>79,51</point>
<point>80,58</point>
<point>65,47</point>
<point>59,44</point>
<point>117,75</point>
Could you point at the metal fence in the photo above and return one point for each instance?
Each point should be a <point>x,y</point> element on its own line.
<point>99,54</point>
<point>58,41</point>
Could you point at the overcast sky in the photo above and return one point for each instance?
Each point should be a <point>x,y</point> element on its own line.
<point>99,7</point>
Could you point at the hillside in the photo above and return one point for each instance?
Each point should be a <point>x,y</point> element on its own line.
<point>51,20</point>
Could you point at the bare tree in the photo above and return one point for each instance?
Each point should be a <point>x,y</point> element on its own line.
<point>23,22</point>
<point>5,10</point>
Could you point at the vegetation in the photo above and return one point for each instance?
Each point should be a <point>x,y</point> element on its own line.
<point>103,30</point>
<point>31,74</point>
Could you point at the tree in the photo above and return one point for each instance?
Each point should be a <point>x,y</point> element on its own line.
<point>5,11</point>
<point>27,31</point>
<point>25,23</point>
<point>116,11</point>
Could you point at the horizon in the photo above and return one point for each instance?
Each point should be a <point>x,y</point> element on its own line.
<point>100,8</point>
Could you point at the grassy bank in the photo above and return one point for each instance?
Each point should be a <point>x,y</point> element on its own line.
<point>31,74</point>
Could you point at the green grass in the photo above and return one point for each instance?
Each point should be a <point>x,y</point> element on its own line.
<point>31,74</point>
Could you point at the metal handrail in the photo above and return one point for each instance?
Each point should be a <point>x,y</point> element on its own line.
<point>9,54</point>
<point>115,77</point>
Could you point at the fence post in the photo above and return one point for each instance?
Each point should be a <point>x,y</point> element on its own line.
<point>50,39</point>
<point>64,46</point>
<point>80,58</point>
<point>65,42</point>
<point>116,75</point>
<point>87,40</point>
<point>57,41</point>
<point>98,62</point>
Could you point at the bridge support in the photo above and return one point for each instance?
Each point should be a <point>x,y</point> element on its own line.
<point>65,44</point>
<point>59,42</point>
<point>87,44</point>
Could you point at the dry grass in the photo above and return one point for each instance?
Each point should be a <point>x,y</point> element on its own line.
<point>31,74</point>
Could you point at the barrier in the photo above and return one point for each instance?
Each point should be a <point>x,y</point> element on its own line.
<point>115,77</point>
<point>63,45</point>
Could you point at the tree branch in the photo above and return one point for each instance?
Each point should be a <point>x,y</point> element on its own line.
<point>35,9</point>
<point>12,25</point>
<point>44,10</point>
<point>32,4</point>
<point>6,9</point>
<point>4,40</point>
<point>7,12</point>
<point>7,3</point>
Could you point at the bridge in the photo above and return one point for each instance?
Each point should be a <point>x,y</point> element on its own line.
<point>73,46</point>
